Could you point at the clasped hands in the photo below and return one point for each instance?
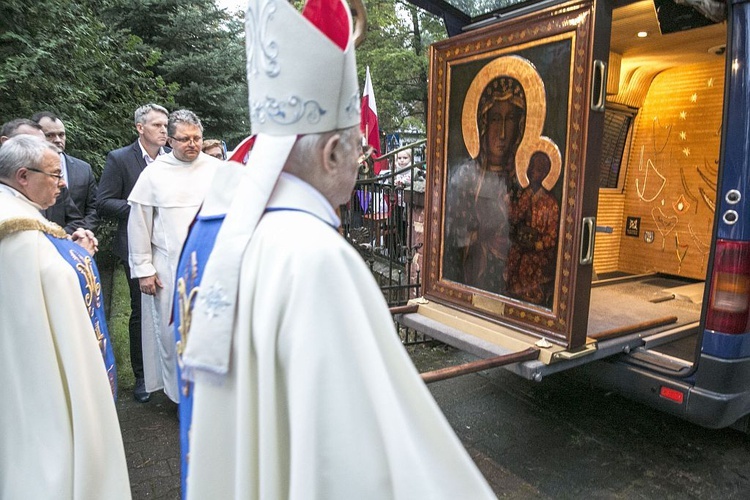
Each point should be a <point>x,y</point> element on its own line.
<point>86,239</point>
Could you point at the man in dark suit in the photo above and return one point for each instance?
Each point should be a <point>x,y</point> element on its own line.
<point>78,177</point>
<point>65,212</point>
<point>120,173</point>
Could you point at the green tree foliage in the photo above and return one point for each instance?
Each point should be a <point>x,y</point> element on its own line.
<point>396,50</point>
<point>203,52</point>
<point>94,61</point>
<point>59,56</point>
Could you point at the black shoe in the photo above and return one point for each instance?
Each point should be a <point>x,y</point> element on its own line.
<point>139,391</point>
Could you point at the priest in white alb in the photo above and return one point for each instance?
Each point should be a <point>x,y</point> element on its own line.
<point>163,203</point>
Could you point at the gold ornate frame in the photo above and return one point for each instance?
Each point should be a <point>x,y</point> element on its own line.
<point>516,49</point>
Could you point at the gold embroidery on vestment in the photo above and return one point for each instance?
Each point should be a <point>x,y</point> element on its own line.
<point>85,267</point>
<point>185,305</point>
<point>17,224</point>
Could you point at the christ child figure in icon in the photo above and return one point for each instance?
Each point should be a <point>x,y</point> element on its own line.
<point>535,221</point>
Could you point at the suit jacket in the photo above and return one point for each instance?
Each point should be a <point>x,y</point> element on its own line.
<point>76,206</point>
<point>82,187</point>
<point>65,212</point>
<point>121,171</point>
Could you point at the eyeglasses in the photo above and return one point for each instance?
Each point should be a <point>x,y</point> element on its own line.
<point>59,176</point>
<point>185,140</point>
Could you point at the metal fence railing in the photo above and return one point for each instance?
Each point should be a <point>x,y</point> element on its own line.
<point>379,222</point>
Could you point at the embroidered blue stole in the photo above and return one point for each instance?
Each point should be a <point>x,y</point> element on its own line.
<point>198,246</point>
<point>195,253</point>
<point>91,292</point>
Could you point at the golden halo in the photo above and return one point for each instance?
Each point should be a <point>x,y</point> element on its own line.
<point>547,146</point>
<point>526,74</point>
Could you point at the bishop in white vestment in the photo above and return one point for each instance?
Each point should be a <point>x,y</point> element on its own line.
<point>302,388</point>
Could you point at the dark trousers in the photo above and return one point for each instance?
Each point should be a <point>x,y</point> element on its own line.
<point>134,327</point>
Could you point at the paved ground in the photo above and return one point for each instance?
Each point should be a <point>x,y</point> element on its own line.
<point>150,432</point>
<point>555,439</point>
<point>549,440</point>
<point>563,439</point>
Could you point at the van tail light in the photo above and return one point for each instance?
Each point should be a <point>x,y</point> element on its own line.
<point>729,300</point>
<point>672,394</point>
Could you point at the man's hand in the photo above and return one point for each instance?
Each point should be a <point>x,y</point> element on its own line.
<point>149,284</point>
<point>86,239</point>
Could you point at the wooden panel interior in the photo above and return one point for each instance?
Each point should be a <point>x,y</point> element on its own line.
<point>676,136</point>
<point>672,172</point>
<point>607,245</point>
<point>659,51</point>
<point>643,58</point>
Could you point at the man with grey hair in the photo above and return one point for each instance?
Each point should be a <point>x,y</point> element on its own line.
<point>59,433</point>
<point>163,203</point>
<point>121,171</point>
<point>23,156</point>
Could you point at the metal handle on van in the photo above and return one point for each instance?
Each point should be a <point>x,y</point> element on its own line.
<point>587,241</point>
<point>599,86</point>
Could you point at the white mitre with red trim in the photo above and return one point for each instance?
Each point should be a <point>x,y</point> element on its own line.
<point>301,69</point>
<point>302,79</point>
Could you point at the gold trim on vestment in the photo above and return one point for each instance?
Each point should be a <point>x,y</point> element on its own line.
<point>17,224</point>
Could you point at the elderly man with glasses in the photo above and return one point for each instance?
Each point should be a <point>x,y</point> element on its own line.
<point>163,203</point>
<point>64,211</point>
<point>59,433</point>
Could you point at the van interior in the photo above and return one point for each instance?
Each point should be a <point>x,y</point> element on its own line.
<point>658,179</point>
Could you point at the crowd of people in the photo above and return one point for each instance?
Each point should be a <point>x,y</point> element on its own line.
<point>290,377</point>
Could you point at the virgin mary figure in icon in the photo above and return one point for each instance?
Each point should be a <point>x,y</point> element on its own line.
<point>502,119</point>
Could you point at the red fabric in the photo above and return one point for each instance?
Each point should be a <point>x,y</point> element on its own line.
<point>369,125</point>
<point>331,18</point>
<point>242,151</point>
<point>369,122</point>
<point>379,165</point>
